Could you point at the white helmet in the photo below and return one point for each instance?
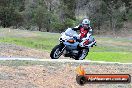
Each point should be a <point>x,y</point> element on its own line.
<point>86,21</point>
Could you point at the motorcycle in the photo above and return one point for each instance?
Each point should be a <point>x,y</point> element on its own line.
<point>69,46</point>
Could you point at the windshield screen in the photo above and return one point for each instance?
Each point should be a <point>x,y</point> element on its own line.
<point>70,32</point>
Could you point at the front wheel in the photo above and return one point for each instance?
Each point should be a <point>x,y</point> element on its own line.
<point>56,52</point>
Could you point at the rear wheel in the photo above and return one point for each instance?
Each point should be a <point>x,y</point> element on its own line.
<point>80,54</point>
<point>56,51</point>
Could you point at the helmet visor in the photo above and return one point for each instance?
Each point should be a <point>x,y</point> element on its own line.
<point>85,25</point>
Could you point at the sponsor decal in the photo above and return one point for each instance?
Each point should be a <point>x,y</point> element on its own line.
<point>83,78</point>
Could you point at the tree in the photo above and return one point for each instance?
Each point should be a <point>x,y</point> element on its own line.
<point>9,15</point>
<point>41,17</point>
<point>113,13</point>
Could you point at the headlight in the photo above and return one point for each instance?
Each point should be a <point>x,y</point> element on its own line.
<point>64,38</point>
<point>70,41</point>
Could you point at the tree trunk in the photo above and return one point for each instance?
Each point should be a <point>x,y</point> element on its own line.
<point>39,28</point>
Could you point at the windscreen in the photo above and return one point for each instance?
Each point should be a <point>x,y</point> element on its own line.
<point>70,32</point>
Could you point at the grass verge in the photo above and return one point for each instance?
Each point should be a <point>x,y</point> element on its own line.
<point>124,57</point>
<point>107,49</point>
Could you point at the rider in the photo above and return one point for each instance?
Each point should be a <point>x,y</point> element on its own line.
<point>84,36</point>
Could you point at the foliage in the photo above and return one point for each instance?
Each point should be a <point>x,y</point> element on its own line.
<point>130,15</point>
<point>57,15</point>
<point>10,15</point>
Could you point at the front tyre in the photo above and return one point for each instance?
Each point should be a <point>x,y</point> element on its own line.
<point>56,51</point>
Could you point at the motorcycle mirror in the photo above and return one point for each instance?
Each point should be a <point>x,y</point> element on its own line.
<point>62,33</point>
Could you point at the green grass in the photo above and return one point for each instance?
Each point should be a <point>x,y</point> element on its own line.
<point>33,39</point>
<point>37,43</point>
<point>107,49</point>
<point>110,56</point>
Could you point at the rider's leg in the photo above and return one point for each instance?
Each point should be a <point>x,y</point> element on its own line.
<point>86,41</point>
<point>91,39</point>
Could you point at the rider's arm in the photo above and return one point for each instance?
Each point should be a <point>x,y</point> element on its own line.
<point>91,30</point>
<point>89,33</point>
<point>76,28</point>
<point>88,36</point>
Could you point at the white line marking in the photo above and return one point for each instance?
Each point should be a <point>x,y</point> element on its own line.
<point>61,60</point>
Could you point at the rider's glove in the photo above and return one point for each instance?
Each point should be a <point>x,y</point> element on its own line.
<point>79,40</point>
<point>75,37</point>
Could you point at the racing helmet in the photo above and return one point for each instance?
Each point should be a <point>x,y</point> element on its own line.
<point>86,23</point>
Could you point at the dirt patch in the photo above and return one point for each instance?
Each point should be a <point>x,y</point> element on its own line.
<point>11,50</point>
<point>58,75</point>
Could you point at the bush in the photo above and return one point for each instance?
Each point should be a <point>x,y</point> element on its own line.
<point>57,27</point>
<point>69,23</point>
<point>119,25</point>
<point>130,16</point>
<point>60,27</point>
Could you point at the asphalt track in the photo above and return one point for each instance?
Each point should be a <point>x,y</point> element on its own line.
<point>60,60</point>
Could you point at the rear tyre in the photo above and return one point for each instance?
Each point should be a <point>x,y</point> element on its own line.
<point>56,52</point>
<point>80,53</point>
